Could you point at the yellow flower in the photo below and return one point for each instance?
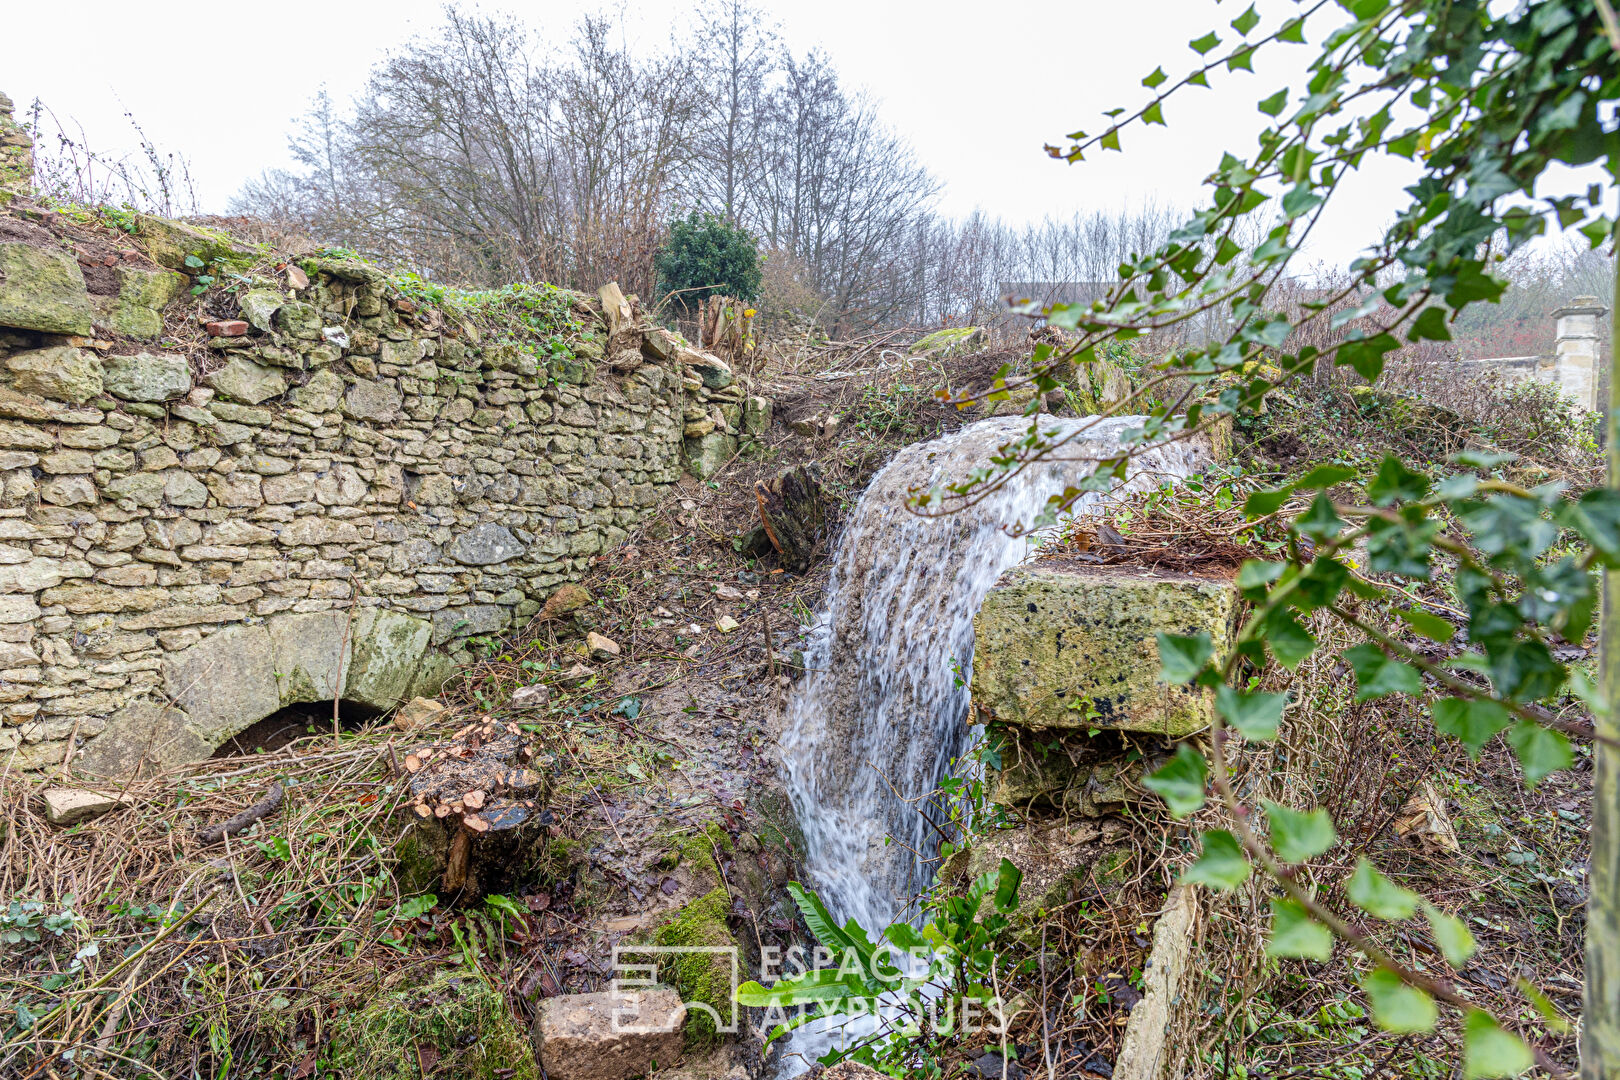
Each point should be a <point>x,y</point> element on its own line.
<point>748,313</point>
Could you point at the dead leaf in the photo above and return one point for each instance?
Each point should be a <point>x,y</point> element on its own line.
<point>413,763</point>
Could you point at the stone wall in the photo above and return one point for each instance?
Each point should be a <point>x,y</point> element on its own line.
<point>302,484</point>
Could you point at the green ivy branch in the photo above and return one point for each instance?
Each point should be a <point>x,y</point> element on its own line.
<point>1499,101</point>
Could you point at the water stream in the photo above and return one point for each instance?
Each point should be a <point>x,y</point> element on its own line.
<point>883,709</point>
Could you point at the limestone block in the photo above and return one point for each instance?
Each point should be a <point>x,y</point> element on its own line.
<point>69,806</point>
<point>89,438</point>
<point>68,491</point>
<point>341,486</point>
<point>607,1035</point>
<point>36,574</point>
<point>368,399</point>
<point>389,648</point>
<point>61,373</point>
<point>455,622</point>
<point>713,372</point>
<point>1056,636</point>
<point>289,488</point>
<point>25,437</point>
<point>185,615</point>
<point>143,489</point>
<point>243,380</point>
<point>706,455</point>
<point>42,289</point>
<point>756,415</point>
<point>485,545</point>
<point>169,242</point>
<point>314,531</point>
<point>236,489</point>
<point>147,377</point>
<point>954,341</point>
<point>225,682</point>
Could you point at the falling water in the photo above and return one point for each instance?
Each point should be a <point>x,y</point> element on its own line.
<point>883,710</point>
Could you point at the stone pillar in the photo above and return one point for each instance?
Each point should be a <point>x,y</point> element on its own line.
<point>1577,350</point>
<point>16,151</point>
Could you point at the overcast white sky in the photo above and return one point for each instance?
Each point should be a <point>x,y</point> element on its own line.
<point>978,88</point>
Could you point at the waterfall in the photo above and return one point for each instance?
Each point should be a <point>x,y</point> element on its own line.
<point>883,707</point>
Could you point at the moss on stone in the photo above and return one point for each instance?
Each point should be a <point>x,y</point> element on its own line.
<point>953,341</point>
<point>1059,644</point>
<point>701,977</point>
<point>459,1015</point>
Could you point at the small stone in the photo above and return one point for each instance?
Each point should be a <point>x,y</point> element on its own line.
<point>537,696</point>
<point>756,415</point>
<point>726,592</point>
<point>726,624</point>
<point>418,713</point>
<point>69,806</point>
<point>564,601</point>
<point>607,1035</point>
<point>601,648</point>
<point>227,328</point>
<point>573,676</point>
<point>259,307</point>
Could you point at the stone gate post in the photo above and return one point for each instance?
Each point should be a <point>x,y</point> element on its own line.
<point>1576,351</point>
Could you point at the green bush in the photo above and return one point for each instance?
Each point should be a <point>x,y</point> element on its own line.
<point>706,256</point>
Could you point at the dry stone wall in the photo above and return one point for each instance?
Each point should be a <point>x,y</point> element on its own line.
<point>323,493</point>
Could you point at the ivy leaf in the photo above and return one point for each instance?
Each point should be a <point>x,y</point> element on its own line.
<point>1155,80</point>
<point>1451,935</point>
<point>1298,836</point>
<point>1398,1007</point>
<point>1182,658</point>
<point>1254,574</point>
<point>1241,61</point>
<point>1255,716</point>
<point>1180,782</point>
<point>1378,675</point>
<point>1396,483</point>
<point>1378,896</point>
<point>1596,516</point>
<point>1154,114</point>
<point>1246,21</point>
<point>1321,522</point>
<point>1295,933</point>
<point>1222,866</point>
<point>1472,721</point>
<point>1261,503</point>
<point>1541,750</point>
<point>1324,476</point>
<point>1276,103</point>
<point>1110,141</point>
<point>1432,627</point>
<point>1489,1051</point>
<point>1202,45</point>
<point>1289,642</point>
<point>1430,325</point>
<point>194,262</point>
<point>1293,31</point>
<point>1366,356</point>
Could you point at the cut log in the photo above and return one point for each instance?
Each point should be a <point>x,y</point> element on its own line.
<point>792,511</point>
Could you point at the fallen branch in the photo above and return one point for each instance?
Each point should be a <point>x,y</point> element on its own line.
<point>263,808</point>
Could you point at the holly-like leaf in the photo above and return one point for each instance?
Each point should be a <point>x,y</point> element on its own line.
<point>1378,896</point>
<point>1276,103</point>
<point>1222,866</point>
<point>1298,836</point>
<point>1489,1051</point>
<point>1180,782</point>
<point>1182,658</point>
<point>1451,935</point>
<point>1246,21</point>
<point>1155,80</point>
<point>1203,45</point>
<point>1110,140</point>
<point>1295,933</point>
<point>1154,114</point>
<point>1254,716</point>
<point>1378,674</point>
<point>1542,751</point>
<point>1321,522</point>
<point>1396,1006</point>
<point>1472,721</point>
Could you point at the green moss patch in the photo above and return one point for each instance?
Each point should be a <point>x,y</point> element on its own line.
<point>701,977</point>
<point>457,1021</point>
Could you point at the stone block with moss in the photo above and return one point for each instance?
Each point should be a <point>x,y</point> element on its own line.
<point>42,289</point>
<point>1064,644</point>
<point>459,1015</point>
<point>953,341</point>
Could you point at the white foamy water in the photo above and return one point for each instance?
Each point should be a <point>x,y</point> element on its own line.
<point>882,711</point>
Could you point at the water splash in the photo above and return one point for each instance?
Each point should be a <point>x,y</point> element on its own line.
<point>883,708</point>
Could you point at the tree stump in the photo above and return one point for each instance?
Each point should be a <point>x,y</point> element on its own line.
<point>791,509</point>
<point>479,803</point>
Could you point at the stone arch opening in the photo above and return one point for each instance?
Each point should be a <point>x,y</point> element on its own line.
<point>292,722</point>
